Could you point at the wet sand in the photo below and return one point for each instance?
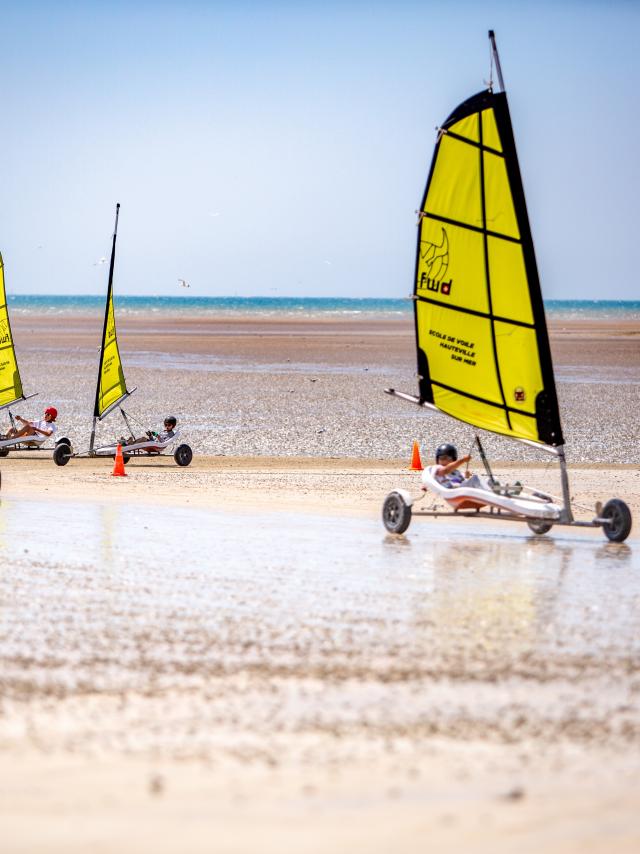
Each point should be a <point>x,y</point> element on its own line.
<point>194,675</point>
<point>247,661</point>
<point>331,487</point>
<point>236,657</point>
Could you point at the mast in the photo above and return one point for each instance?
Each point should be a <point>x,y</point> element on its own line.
<point>496,58</point>
<point>564,475</point>
<point>104,328</point>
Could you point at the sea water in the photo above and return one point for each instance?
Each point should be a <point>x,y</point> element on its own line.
<point>303,307</point>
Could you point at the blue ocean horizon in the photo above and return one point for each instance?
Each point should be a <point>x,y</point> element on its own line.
<point>287,306</point>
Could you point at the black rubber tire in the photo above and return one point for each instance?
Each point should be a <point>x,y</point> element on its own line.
<point>63,441</point>
<point>183,455</point>
<point>539,526</point>
<point>619,527</point>
<point>126,458</point>
<point>396,513</point>
<point>4,452</point>
<point>61,454</point>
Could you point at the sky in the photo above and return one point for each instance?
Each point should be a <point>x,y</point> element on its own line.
<point>281,148</point>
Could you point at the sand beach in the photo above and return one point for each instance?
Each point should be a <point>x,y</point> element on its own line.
<point>313,387</point>
<point>236,656</point>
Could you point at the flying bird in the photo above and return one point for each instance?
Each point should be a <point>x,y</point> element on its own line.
<point>183,284</point>
<point>102,260</point>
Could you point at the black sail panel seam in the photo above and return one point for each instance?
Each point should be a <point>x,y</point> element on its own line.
<point>103,348</point>
<point>501,406</point>
<point>423,381</point>
<point>464,139</point>
<point>9,330</point>
<point>487,273</point>
<point>505,131</point>
<point>477,228</point>
<point>475,313</point>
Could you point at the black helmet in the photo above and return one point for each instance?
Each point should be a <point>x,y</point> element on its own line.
<point>449,450</point>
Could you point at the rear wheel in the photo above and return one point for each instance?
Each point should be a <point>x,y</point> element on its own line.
<point>618,527</point>
<point>61,454</point>
<point>4,452</point>
<point>396,513</point>
<point>183,455</point>
<point>539,526</point>
<point>126,458</point>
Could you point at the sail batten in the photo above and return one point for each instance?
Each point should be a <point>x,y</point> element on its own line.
<point>475,144</point>
<point>478,228</point>
<point>10,382</point>
<point>496,317</point>
<point>483,349</point>
<point>111,387</point>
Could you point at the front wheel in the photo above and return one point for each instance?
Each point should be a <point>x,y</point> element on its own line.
<point>61,454</point>
<point>396,513</point>
<point>618,527</point>
<point>183,455</point>
<point>4,452</point>
<point>539,526</point>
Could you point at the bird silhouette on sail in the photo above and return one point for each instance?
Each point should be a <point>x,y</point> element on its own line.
<point>434,259</point>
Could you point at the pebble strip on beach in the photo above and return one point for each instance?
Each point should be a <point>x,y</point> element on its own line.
<point>295,410</point>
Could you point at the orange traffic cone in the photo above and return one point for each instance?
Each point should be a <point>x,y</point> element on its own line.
<point>416,462</point>
<point>118,465</point>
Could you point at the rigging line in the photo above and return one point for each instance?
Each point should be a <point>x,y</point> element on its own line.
<point>134,419</point>
<point>469,454</point>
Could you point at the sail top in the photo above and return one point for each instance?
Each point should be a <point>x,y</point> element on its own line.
<point>482,342</point>
<point>112,386</point>
<point>10,382</point>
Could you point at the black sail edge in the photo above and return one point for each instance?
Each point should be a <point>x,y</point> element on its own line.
<point>96,408</point>
<point>547,414</point>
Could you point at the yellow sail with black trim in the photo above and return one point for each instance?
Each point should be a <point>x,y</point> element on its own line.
<point>112,386</point>
<point>10,383</point>
<point>483,348</point>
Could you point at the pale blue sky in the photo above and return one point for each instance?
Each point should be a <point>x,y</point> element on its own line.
<point>281,148</point>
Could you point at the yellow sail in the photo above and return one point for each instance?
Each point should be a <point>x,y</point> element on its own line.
<point>10,383</point>
<point>111,382</point>
<point>483,349</point>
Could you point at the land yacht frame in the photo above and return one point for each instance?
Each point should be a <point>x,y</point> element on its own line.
<point>482,344</point>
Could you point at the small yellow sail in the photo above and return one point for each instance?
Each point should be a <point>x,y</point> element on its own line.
<point>111,382</point>
<point>10,383</point>
<point>483,349</point>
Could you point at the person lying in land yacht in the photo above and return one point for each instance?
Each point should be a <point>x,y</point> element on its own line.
<point>447,463</point>
<point>168,433</point>
<point>37,430</point>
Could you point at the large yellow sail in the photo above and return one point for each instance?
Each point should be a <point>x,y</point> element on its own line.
<point>10,383</point>
<point>111,382</point>
<point>483,349</point>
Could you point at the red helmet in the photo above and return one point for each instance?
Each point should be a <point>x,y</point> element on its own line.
<point>52,411</point>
